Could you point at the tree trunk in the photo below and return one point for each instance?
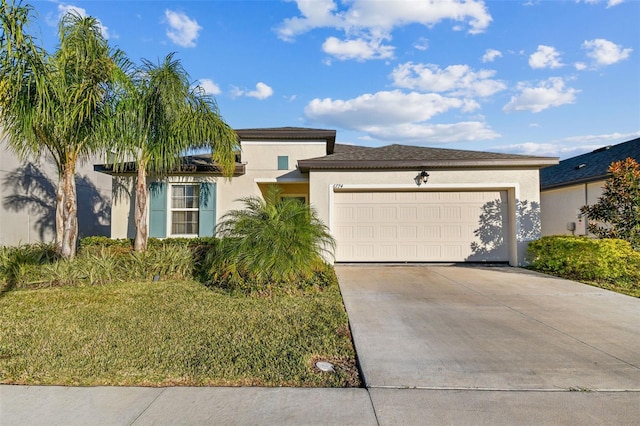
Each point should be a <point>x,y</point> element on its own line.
<point>69,212</point>
<point>140,218</point>
<point>59,208</point>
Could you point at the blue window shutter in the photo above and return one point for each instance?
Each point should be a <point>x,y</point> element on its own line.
<point>283,162</point>
<point>207,217</point>
<point>158,210</point>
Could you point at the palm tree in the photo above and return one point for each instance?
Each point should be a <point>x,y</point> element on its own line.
<point>53,104</point>
<point>274,240</point>
<point>158,115</point>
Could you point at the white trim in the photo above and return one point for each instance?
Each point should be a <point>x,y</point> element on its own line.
<point>287,142</point>
<point>279,180</point>
<point>188,179</point>
<point>170,209</point>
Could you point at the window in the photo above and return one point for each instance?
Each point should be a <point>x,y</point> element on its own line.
<point>182,209</point>
<point>283,162</point>
<point>185,202</point>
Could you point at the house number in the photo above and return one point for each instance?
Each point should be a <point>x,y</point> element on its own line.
<point>337,186</point>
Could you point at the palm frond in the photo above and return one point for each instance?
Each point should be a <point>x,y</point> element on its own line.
<point>273,239</point>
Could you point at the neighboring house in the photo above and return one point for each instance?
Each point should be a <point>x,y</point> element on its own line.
<point>576,182</point>
<point>390,204</point>
<point>28,200</point>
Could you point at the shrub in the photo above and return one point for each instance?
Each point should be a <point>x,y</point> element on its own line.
<point>320,278</point>
<point>616,214</point>
<point>271,241</point>
<point>586,259</point>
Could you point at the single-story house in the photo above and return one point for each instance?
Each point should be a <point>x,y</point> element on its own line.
<point>576,182</point>
<point>394,203</point>
<point>28,199</point>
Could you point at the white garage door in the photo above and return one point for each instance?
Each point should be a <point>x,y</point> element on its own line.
<point>421,226</point>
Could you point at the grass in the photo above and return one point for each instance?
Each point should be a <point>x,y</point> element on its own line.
<point>173,333</point>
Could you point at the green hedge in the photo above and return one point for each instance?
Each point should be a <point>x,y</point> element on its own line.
<point>586,259</point>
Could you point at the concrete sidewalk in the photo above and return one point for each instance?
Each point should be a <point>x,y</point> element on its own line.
<point>54,405</point>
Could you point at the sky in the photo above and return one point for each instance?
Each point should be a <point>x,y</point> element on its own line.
<point>549,78</point>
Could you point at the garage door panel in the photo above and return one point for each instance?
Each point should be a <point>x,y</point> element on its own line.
<point>408,232</point>
<point>415,226</point>
<point>408,251</point>
<point>427,212</point>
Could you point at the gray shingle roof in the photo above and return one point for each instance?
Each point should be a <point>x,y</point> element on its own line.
<point>411,157</point>
<point>588,167</point>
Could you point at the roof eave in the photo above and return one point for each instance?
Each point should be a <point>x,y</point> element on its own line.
<point>240,169</point>
<point>306,165</point>
<point>563,184</point>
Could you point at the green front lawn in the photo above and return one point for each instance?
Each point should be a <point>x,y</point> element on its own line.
<point>173,333</point>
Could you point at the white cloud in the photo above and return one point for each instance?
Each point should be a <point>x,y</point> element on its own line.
<point>210,87</point>
<point>394,115</point>
<point>381,108</point>
<point>580,66</point>
<point>610,3</point>
<point>490,55</point>
<point>549,93</point>
<point>385,15</point>
<point>358,49</point>
<point>315,14</point>
<point>263,91</point>
<point>182,30</point>
<point>467,131</point>
<point>569,146</point>
<point>544,149</point>
<point>605,52</point>
<point>421,44</point>
<point>604,138</point>
<point>455,79</point>
<point>63,9</point>
<point>369,22</point>
<point>545,57</point>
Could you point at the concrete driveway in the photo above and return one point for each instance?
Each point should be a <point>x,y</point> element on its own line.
<point>489,328</point>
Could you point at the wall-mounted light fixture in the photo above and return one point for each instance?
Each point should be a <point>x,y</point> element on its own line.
<point>422,177</point>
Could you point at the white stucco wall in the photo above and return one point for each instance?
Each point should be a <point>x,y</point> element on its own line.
<point>261,162</point>
<point>562,206</point>
<point>27,199</point>
<point>521,184</point>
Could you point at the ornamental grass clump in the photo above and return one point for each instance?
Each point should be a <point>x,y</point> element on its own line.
<point>273,243</point>
<point>19,264</point>
<point>101,261</point>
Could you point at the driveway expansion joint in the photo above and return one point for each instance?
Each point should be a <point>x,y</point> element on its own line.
<point>144,410</point>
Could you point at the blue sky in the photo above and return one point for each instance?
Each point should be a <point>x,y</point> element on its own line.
<point>555,78</point>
